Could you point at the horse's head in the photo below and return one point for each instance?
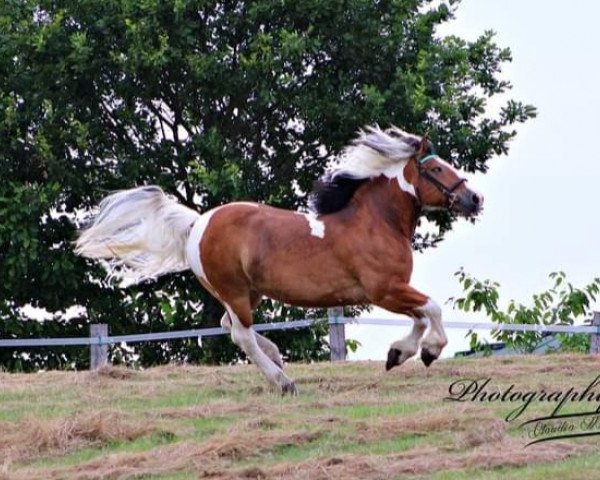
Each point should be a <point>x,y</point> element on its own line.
<point>438,184</point>
<point>398,155</point>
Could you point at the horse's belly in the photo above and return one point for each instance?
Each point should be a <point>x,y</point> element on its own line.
<point>319,291</point>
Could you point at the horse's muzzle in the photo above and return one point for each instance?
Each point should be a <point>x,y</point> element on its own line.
<point>468,203</point>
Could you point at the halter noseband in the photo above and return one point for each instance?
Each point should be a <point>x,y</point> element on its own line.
<point>448,192</point>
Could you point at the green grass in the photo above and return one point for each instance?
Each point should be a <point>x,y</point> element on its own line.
<point>366,411</point>
<point>178,399</point>
<point>205,427</point>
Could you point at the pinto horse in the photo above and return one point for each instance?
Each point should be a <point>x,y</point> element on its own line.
<point>354,247</point>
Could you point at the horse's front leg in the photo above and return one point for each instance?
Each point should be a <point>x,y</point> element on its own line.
<point>401,298</point>
<point>435,339</point>
<point>401,350</point>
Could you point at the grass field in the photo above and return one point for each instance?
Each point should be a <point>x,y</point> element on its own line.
<point>351,420</point>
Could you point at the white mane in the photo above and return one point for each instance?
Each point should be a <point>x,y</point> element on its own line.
<point>375,151</point>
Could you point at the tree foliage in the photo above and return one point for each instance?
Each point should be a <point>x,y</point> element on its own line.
<point>214,101</point>
<point>562,304</point>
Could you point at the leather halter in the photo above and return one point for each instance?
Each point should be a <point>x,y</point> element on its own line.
<point>448,192</point>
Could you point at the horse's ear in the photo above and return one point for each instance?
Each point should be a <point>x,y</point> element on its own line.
<point>423,146</point>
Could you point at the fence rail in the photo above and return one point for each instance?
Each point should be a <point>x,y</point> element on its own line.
<point>99,338</point>
<point>143,337</point>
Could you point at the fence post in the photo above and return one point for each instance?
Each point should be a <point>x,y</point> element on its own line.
<point>595,337</point>
<point>98,353</point>
<point>337,334</point>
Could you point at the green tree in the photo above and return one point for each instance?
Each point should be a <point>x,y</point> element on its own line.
<point>214,101</point>
<point>562,304</point>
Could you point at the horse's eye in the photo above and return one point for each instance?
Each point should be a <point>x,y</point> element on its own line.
<point>436,169</point>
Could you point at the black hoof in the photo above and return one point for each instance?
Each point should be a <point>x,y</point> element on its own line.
<point>427,357</point>
<point>289,388</point>
<point>393,358</point>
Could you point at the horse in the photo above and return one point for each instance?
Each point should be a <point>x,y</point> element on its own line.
<point>352,247</point>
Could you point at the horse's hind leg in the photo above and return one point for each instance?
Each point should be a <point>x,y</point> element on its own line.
<point>264,343</point>
<point>270,349</point>
<point>243,336</point>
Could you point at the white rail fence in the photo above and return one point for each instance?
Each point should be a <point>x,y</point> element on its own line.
<point>99,338</point>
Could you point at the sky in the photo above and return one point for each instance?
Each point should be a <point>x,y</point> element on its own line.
<point>540,199</point>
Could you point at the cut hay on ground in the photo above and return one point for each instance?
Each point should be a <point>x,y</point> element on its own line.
<point>352,420</point>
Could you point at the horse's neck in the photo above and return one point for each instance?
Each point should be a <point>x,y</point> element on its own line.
<point>383,199</point>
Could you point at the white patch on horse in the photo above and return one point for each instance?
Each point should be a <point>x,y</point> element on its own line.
<point>193,243</point>
<point>405,186</point>
<point>317,227</point>
<point>397,172</point>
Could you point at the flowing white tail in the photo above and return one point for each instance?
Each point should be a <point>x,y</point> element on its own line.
<point>142,231</point>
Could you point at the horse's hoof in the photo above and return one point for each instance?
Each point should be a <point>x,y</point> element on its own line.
<point>393,358</point>
<point>289,388</point>
<point>427,357</point>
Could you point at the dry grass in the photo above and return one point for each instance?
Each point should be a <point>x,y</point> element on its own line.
<point>427,460</point>
<point>33,437</point>
<point>352,420</point>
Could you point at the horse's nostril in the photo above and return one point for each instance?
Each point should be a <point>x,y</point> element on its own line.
<point>476,199</point>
